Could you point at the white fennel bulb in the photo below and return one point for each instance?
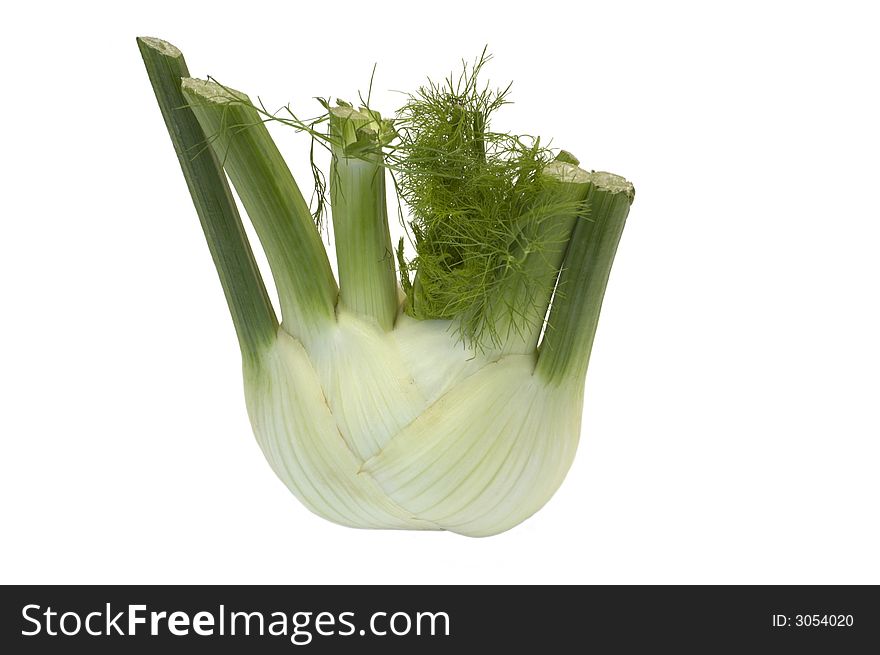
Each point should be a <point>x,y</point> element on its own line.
<point>364,435</point>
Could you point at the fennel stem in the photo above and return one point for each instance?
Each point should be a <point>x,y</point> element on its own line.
<point>367,278</point>
<point>566,192</point>
<point>252,314</point>
<point>565,350</point>
<point>306,287</point>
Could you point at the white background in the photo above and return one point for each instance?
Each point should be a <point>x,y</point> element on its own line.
<point>731,424</point>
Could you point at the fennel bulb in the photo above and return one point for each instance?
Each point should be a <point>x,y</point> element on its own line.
<point>446,401</point>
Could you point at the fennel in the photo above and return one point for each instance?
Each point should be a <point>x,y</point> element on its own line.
<point>452,401</point>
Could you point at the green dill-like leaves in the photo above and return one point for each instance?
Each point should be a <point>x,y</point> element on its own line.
<point>479,204</point>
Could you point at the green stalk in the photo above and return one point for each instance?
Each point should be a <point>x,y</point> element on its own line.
<point>565,350</point>
<point>306,288</point>
<point>252,314</point>
<point>367,279</point>
<point>533,287</point>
